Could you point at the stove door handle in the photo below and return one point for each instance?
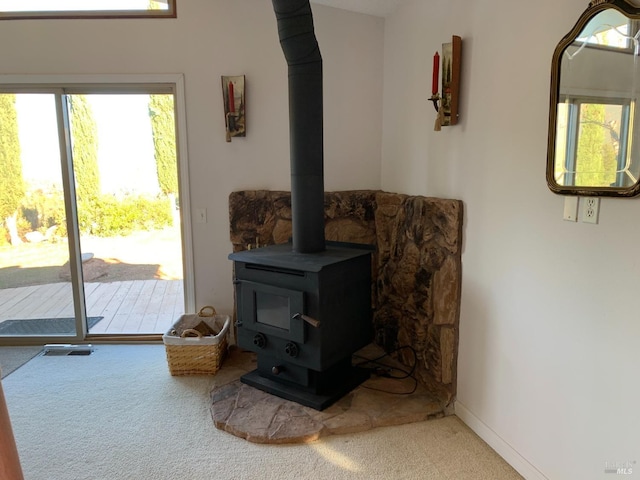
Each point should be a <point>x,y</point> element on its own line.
<point>311,321</point>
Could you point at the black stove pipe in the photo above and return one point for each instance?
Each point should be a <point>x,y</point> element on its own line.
<point>300,47</point>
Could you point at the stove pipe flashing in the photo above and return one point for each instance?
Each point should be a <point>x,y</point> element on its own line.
<point>300,47</point>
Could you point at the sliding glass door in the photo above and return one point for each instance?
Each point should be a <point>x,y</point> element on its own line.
<point>36,295</point>
<point>91,240</point>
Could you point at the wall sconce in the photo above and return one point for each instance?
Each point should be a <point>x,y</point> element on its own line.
<point>447,104</point>
<point>234,106</point>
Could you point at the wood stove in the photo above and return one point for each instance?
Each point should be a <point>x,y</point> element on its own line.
<point>304,315</point>
<point>304,307</point>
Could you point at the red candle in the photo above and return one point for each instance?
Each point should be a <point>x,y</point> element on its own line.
<point>436,73</point>
<point>232,106</point>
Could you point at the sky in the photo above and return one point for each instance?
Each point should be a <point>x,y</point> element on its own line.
<point>126,157</point>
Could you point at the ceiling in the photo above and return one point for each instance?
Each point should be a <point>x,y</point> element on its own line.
<point>379,8</point>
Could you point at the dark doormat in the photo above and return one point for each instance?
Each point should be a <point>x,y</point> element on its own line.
<point>43,326</point>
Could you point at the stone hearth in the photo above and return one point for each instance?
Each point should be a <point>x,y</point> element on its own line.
<point>416,267</point>
<point>259,417</point>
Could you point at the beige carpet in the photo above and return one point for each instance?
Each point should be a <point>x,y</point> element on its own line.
<point>12,358</point>
<point>118,414</point>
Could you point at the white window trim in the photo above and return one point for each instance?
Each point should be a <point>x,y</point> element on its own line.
<point>170,12</point>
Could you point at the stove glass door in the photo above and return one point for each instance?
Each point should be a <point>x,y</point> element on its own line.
<point>270,310</point>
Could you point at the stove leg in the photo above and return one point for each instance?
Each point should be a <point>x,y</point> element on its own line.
<point>332,387</point>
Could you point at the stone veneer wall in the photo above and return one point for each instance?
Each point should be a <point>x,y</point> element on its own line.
<point>416,270</point>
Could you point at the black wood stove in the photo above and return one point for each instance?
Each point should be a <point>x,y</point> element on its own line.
<point>304,315</point>
<point>304,307</point>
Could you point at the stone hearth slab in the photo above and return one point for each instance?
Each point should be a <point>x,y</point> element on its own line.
<point>260,417</point>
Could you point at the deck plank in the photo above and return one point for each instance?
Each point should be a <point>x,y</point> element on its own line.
<point>18,295</point>
<point>140,306</point>
<point>147,324</point>
<point>50,306</point>
<point>110,311</point>
<point>155,301</point>
<point>7,295</point>
<point>31,302</point>
<point>99,299</point>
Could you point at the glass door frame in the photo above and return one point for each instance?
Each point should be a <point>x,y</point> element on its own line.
<point>59,85</point>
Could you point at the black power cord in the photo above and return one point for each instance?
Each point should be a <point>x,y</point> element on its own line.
<point>383,370</point>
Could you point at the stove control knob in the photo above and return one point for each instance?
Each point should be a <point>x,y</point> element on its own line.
<point>277,370</point>
<point>291,349</point>
<point>260,340</point>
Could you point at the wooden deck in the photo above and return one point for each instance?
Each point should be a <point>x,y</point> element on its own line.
<point>137,306</point>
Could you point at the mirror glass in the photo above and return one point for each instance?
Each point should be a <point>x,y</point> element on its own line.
<point>594,144</point>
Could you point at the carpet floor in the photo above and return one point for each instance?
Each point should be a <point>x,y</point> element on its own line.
<point>119,414</point>
<point>12,358</point>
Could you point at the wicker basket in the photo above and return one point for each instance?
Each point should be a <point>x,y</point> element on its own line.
<point>191,353</point>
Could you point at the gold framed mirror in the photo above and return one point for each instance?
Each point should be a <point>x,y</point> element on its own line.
<point>594,124</point>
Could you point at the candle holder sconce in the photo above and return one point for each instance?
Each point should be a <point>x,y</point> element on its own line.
<point>447,105</point>
<point>234,106</point>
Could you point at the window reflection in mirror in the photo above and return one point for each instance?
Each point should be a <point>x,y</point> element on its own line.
<point>594,147</point>
<point>592,143</point>
<point>609,29</point>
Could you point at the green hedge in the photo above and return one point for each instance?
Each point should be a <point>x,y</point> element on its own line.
<point>105,216</point>
<point>108,216</point>
<point>40,210</point>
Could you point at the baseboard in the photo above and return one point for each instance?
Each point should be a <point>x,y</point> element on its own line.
<point>506,451</point>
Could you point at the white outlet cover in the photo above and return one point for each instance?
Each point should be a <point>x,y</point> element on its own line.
<point>590,210</point>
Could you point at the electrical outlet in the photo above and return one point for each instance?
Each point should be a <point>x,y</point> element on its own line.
<point>590,210</point>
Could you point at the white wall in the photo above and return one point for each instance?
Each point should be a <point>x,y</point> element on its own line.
<point>550,332</point>
<point>211,38</point>
<point>550,329</point>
